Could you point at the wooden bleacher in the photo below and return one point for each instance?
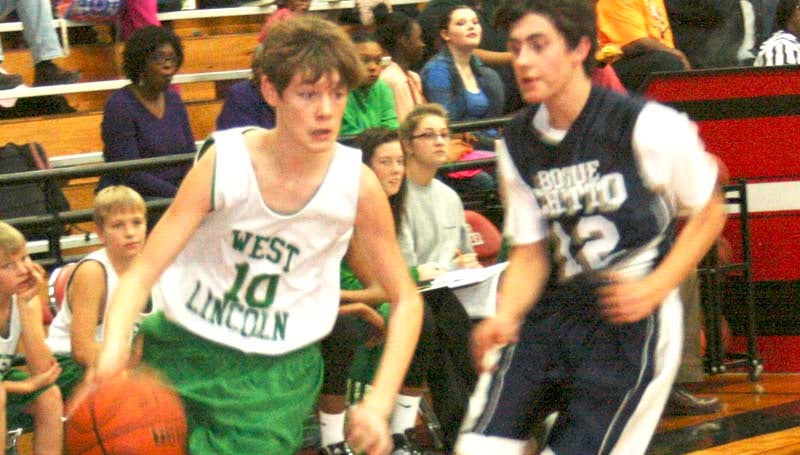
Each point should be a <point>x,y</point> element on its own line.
<point>219,40</point>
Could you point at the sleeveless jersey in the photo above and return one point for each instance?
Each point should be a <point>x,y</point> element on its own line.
<point>8,344</point>
<point>599,212</point>
<point>59,333</point>
<point>256,280</point>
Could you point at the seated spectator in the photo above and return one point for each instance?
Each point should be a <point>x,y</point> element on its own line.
<point>76,333</point>
<point>468,90</point>
<point>636,38</point>
<point>708,32</point>
<point>455,78</point>
<point>371,104</point>
<point>492,50</point>
<point>137,14</point>
<point>287,10</point>
<point>37,27</point>
<point>359,323</point>
<point>400,36</point>
<point>244,104</point>
<point>147,118</point>
<point>434,237</point>
<point>31,393</point>
<point>783,47</point>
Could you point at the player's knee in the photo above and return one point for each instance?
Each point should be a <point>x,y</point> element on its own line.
<point>50,401</point>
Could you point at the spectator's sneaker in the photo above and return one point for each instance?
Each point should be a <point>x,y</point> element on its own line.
<point>404,444</point>
<point>48,73</point>
<point>340,448</point>
<point>9,81</point>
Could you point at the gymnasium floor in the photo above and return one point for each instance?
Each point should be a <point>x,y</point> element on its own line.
<point>756,418</point>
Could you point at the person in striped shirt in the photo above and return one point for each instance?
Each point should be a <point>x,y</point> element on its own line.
<point>783,47</point>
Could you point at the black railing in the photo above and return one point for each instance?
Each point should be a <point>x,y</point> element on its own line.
<point>65,218</point>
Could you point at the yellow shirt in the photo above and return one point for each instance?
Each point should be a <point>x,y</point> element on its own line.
<point>620,22</point>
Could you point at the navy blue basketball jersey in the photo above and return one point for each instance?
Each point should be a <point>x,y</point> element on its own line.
<point>600,213</point>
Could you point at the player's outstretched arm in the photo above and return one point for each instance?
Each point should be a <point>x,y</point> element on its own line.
<point>374,232</point>
<point>627,301</point>
<point>521,285</point>
<point>173,231</point>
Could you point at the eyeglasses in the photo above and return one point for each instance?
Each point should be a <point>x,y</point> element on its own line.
<point>161,59</point>
<point>432,136</point>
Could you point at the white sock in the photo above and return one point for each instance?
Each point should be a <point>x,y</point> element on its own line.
<point>405,413</point>
<point>331,428</point>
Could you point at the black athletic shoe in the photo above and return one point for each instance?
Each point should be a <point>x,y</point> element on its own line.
<point>683,403</point>
<point>9,81</point>
<point>405,444</point>
<point>48,73</point>
<point>340,448</point>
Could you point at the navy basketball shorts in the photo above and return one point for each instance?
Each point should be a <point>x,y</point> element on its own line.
<point>608,383</point>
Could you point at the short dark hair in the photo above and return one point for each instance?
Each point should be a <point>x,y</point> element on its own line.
<point>574,19</point>
<point>783,12</point>
<point>142,44</point>
<point>369,140</point>
<point>390,27</point>
<point>310,46</point>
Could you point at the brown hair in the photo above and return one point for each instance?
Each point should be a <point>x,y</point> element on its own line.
<point>312,47</point>
<point>416,116</point>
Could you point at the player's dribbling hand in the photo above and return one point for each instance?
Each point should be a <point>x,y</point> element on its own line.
<point>626,301</point>
<point>488,336</point>
<point>367,431</point>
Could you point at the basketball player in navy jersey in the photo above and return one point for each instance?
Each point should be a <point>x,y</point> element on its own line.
<point>589,321</point>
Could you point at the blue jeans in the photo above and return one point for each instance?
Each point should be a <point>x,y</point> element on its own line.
<point>37,22</point>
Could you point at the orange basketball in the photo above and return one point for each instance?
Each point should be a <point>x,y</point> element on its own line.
<point>131,414</point>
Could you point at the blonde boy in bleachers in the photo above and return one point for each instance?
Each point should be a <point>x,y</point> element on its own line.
<point>76,333</point>
<point>27,395</point>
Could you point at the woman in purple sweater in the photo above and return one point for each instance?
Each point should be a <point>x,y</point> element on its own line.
<point>147,118</point>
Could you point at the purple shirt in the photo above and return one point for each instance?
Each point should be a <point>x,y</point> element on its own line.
<point>245,106</point>
<point>131,132</point>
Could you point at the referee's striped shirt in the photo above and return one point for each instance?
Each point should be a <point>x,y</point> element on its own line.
<point>782,48</point>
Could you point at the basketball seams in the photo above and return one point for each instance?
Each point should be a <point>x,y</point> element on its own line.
<point>129,415</point>
<point>95,428</point>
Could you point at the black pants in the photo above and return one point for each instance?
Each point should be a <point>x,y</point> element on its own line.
<point>633,70</point>
<point>452,376</point>
<point>340,346</point>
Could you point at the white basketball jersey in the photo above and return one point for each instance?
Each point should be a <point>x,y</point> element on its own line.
<point>256,280</point>
<point>8,344</point>
<point>59,334</point>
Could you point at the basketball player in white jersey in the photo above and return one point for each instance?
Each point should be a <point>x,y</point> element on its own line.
<point>245,263</point>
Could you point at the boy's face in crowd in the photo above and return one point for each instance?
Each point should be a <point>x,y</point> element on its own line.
<point>15,271</point>
<point>309,112</point>
<point>371,54</point>
<point>430,140</point>
<point>123,232</point>
<point>389,166</point>
<point>542,60</point>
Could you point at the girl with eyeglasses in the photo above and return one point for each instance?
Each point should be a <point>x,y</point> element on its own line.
<point>363,315</point>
